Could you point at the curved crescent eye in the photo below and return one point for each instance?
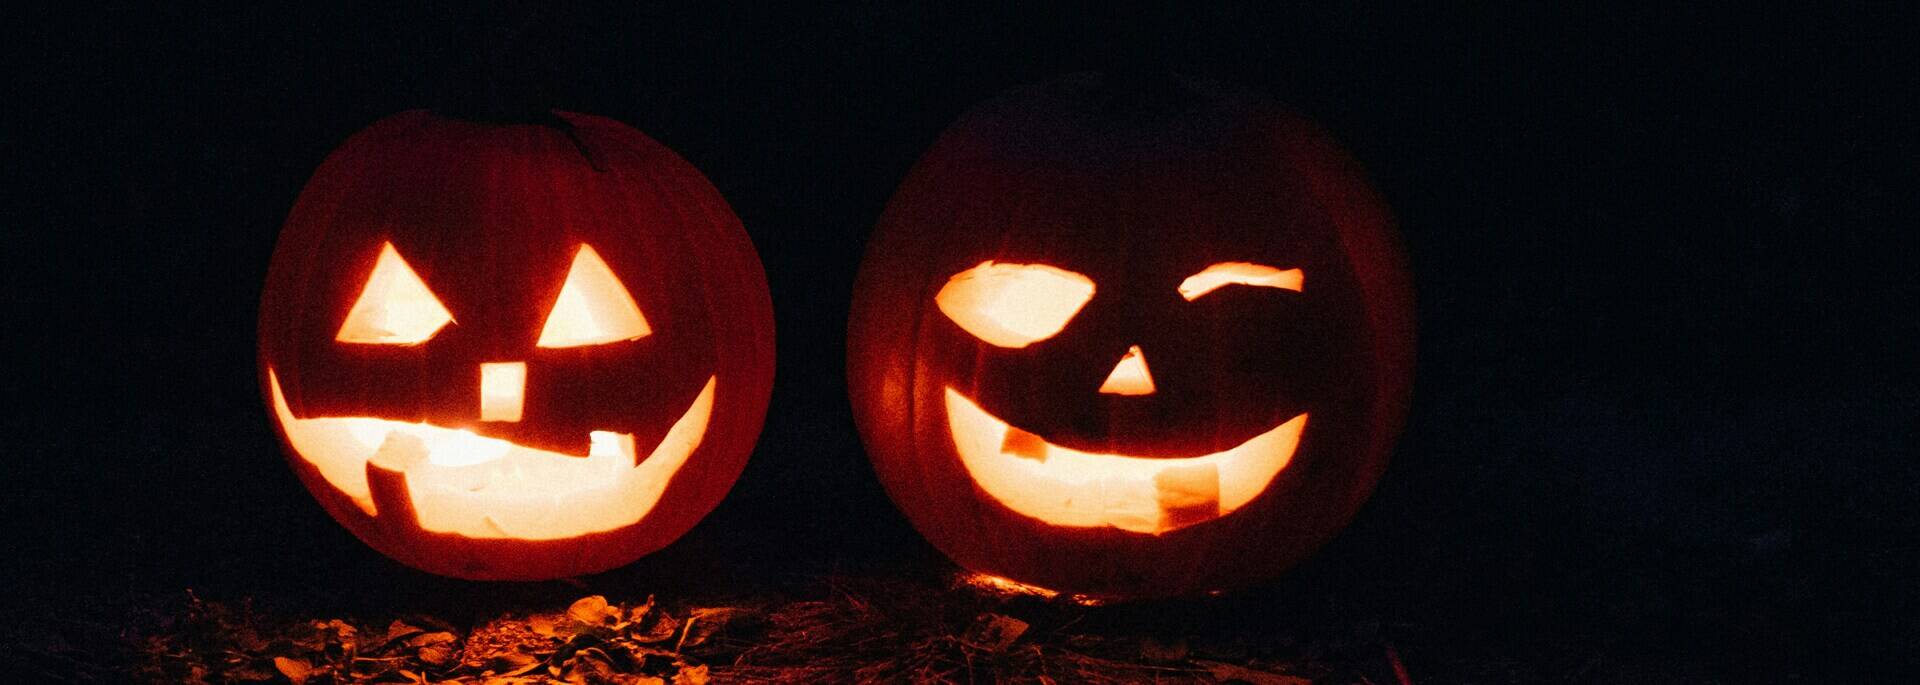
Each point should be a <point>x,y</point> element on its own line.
<point>395,307</point>
<point>1013,305</point>
<point>1240,273</point>
<point>593,307</point>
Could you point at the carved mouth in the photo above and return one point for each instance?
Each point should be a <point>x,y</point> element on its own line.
<point>1066,487</point>
<point>465,484</point>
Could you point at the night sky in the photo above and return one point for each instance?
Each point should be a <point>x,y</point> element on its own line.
<point>1667,386</point>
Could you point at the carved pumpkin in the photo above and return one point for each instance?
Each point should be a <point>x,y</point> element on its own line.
<point>1131,338</point>
<point>514,351</point>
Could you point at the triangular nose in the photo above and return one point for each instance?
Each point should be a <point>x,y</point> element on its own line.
<point>1129,377</point>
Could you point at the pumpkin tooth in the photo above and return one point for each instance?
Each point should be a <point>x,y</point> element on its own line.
<point>400,451</point>
<point>1022,444</point>
<point>387,483</point>
<point>616,446</point>
<point>1189,493</point>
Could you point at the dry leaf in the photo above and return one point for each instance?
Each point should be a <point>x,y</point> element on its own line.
<point>994,632</point>
<point>639,611</point>
<point>437,655</point>
<point>1225,672</point>
<point>340,630</point>
<point>398,630</point>
<point>544,625</point>
<point>692,675</point>
<point>295,670</point>
<point>703,623</point>
<point>588,666</point>
<point>657,628</point>
<point>512,663</point>
<point>426,639</point>
<point>593,611</point>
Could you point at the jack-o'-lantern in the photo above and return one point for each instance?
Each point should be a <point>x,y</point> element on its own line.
<point>1131,338</point>
<point>516,351</point>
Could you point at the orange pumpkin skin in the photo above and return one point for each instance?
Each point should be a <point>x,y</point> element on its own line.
<point>1136,187</point>
<point>490,218</point>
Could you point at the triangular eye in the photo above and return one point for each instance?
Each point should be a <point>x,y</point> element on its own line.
<point>593,307</point>
<point>395,307</point>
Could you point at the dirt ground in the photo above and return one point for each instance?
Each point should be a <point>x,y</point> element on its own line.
<point>924,622</point>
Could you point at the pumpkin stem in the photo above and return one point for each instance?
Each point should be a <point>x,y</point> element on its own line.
<point>504,81</point>
<point>507,81</point>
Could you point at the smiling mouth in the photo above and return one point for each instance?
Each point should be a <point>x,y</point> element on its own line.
<point>465,484</point>
<point>1067,487</point>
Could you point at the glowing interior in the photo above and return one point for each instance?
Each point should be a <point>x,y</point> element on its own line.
<point>593,307</point>
<point>1013,305</point>
<point>1066,487</point>
<point>481,487</point>
<point>1130,376</point>
<point>395,307</point>
<point>1240,273</point>
<point>503,390</point>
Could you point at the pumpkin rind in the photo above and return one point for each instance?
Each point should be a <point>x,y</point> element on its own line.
<point>491,216</point>
<point>1138,187</point>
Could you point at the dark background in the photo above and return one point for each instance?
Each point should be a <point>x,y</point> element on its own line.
<point>1667,387</point>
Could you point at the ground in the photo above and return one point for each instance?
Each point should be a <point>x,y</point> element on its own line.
<point>935,628</point>
<point>920,621</point>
